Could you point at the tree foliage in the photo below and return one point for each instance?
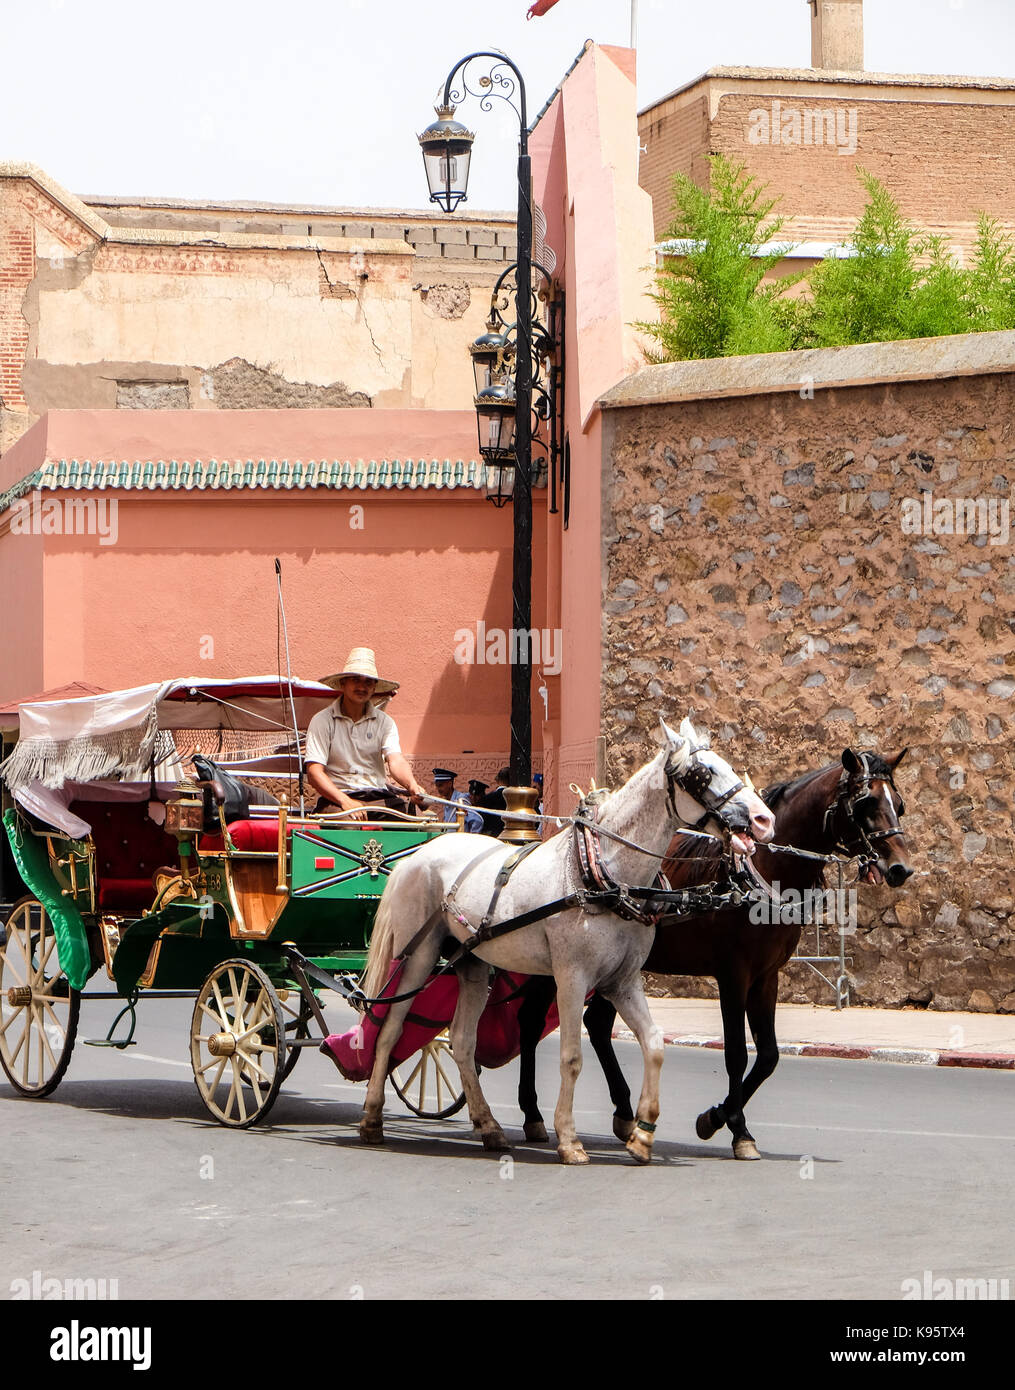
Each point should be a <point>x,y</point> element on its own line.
<point>891,281</point>
<point>711,298</point>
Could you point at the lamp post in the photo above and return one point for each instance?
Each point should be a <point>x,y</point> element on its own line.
<point>447,149</point>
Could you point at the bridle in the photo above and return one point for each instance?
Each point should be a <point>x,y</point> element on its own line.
<point>841,821</point>
<point>695,778</point>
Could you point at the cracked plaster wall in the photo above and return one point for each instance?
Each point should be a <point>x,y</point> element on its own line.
<point>102,323</point>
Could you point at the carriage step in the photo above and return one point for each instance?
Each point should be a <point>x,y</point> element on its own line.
<point>120,1043</point>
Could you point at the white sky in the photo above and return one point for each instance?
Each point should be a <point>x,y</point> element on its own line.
<point>320,101</point>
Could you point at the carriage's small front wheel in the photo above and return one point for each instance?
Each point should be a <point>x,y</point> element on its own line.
<point>238,1044</point>
<point>428,1083</point>
<point>38,1009</point>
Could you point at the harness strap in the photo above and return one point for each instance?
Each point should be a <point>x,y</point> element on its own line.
<point>506,870</point>
<point>439,913</point>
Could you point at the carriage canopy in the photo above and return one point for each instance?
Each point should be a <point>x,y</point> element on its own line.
<point>127,736</point>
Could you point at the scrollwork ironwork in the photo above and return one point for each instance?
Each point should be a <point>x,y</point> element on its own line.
<point>500,80</point>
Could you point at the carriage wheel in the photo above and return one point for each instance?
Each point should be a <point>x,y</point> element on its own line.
<point>38,1009</point>
<point>237,1044</point>
<point>428,1083</point>
<point>297,1014</point>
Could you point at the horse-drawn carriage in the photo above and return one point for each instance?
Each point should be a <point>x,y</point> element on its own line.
<point>154,876</point>
<point>160,882</point>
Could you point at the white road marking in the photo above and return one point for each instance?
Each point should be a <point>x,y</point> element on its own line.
<point>166,1061</point>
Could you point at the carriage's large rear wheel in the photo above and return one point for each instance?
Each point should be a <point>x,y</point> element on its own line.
<point>428,1084</point>
<point>38,1009</point>
<point>237,1044</point>
<point>297,1014</point>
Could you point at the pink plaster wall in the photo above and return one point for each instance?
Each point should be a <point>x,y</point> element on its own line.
<point>192,566</point>
<point>21,612</point>
<point>599,222</point>
<point>242,434</point>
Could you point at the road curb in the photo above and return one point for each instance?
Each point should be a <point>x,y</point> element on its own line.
<point>852,1052</point>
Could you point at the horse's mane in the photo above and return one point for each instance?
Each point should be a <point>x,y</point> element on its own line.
<point>779,790</point>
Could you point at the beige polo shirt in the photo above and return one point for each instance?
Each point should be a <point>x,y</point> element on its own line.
<point>353,753</point>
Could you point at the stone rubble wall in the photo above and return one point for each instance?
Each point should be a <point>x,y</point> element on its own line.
<point>755,571</point>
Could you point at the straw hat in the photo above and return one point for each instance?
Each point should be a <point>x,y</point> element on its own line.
<point>361,663</point>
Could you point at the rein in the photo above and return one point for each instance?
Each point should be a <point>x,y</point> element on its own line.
<point>600,889</point>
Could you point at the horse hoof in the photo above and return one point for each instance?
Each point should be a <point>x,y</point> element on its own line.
<point>535,1132</point>
<point>371,1134</point>
<point>573,1154</point>
<point>703,1126</point>
<point>639,1148</point>
<point>495,1140</point>
<point>623,1129</point>
<point>745,1148</point>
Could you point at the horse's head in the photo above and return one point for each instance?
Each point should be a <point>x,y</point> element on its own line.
<point>703,790</point>
<point>865,817</point>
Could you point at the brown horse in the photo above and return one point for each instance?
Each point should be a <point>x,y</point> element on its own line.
<point>852,809</point>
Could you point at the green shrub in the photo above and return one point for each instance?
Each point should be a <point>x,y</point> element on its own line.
<point>711,299</point>
<point>884,291</point>
<point>992,278</point>
<point>895,282</point>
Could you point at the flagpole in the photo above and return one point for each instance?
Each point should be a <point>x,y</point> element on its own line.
<point>634,23</point>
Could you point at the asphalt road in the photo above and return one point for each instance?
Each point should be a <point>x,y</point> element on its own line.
<point>873,1174</point>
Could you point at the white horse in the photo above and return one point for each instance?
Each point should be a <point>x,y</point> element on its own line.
<point>583,946</point>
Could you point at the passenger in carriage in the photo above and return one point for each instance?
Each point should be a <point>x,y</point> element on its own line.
<point>352,748</point>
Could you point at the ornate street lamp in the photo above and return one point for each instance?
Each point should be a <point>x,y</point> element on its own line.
<point>496,419</point>
<point>447,147</point>
<point>492,354</point>
<point>500,482</point>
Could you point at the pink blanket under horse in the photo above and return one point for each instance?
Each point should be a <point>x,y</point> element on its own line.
<point>497,1038</point>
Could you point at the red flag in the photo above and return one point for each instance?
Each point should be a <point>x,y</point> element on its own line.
<point>540,7</point>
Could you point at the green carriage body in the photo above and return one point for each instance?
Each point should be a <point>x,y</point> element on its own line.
<point>321,895</point>
<point>144,895</point>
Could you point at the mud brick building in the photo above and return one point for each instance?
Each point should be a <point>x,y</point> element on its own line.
<point>943,145</point>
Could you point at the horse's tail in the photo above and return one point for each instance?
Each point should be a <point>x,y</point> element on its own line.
<point>378,966</point>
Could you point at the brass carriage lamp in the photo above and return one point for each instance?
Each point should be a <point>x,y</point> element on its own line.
<point>447,151</point>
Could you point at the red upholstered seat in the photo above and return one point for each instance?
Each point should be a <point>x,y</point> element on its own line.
<point>128,849</point>
<point>126,894</point>
<point>259,835</point>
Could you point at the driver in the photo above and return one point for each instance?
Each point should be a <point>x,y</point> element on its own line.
<point>352,747</point>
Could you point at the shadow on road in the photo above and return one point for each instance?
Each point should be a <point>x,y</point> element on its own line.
<point>334,1124</point>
